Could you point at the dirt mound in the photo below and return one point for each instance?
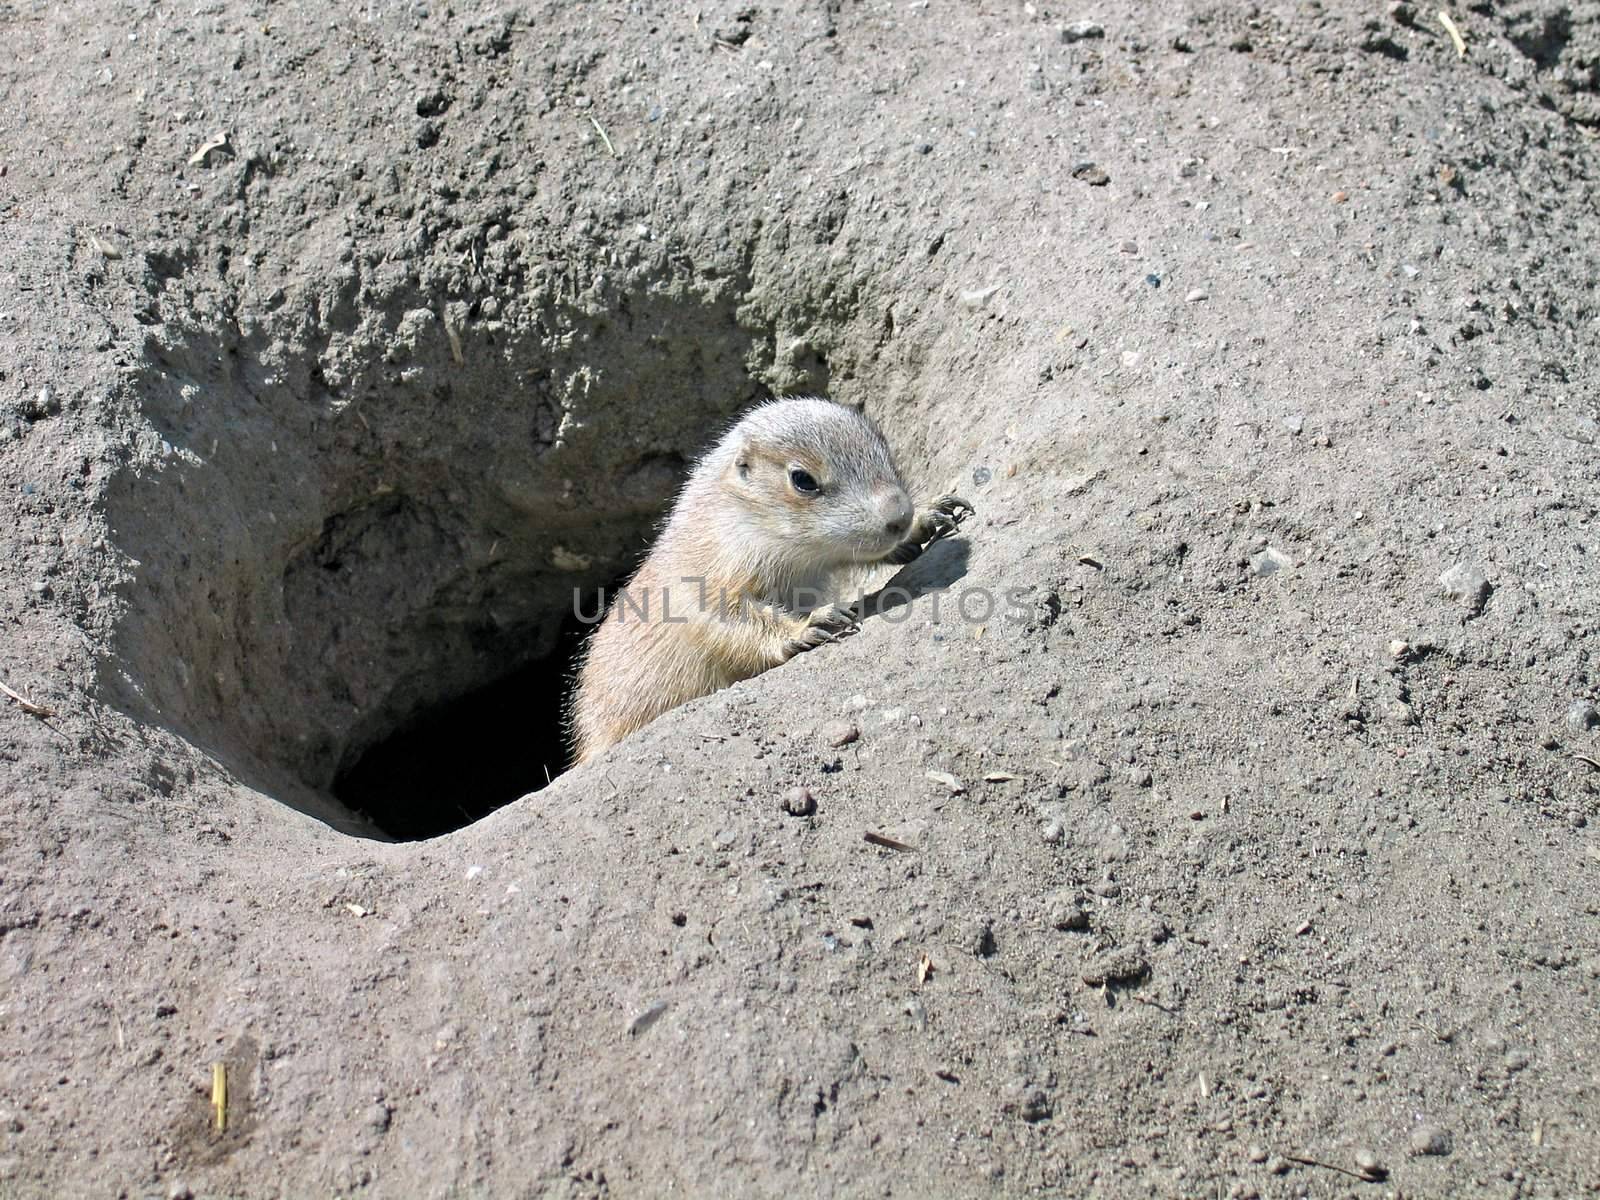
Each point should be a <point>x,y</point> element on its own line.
<point>1232,780</point>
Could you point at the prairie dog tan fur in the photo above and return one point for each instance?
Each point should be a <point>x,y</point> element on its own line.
<point>798,493</point>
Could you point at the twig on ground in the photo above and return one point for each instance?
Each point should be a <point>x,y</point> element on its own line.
<point>32,707</point>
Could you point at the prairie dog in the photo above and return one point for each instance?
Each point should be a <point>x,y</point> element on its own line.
<point>799,492</point>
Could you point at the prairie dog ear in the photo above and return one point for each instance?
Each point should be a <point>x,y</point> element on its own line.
<point>741,465</point>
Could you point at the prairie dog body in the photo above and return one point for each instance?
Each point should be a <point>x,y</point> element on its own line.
<point>797,493</point>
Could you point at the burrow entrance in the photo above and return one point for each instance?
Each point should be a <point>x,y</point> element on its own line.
<point>355,557</point>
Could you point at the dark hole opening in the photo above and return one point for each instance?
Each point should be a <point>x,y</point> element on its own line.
<point>459,761</point>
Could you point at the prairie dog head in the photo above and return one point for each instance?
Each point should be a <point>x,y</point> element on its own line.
<point>818,477</point>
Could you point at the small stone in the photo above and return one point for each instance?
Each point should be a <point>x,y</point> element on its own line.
<point>1123,965</point>
<point>1582,717</point>
<point>1399,650</point>
<point>800,802</point>
<point>1257,1154</point>
<point>1402,713</point>
<point>982,940</point>
<point>1340,197</point>
<point>43,403</point>
<point>1429,1139</point>
<point>840,733</point>
<point>1517,1060</point>
<point>1367,1163</point>
<point>1066,914</point>
<point>165,1010</point>
<point>1278,1165</point>
<point>378,1117</point>
<point>1107,889</point>
<point>1294,423</point>
<point>1091,174</point>
<point>1082,31</point>
<point>1466,585</point>
<point>1196,295</point>
<point>981,476</point>
<point>1269,562</point>
<point>180,1191</point>
<point>1130,247</point>
<point>1131,358</point>
<point>1052,832</point>
<point>432,104</point>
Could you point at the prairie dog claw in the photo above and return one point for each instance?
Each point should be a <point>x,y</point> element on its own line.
<point>828,624</point>
<point>943,518</point>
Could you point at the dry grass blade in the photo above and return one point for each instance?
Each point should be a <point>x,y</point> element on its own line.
<point>1455,33</point>
<point>32,707</point>
<point>1364,1176</point>
<point>219,1094</point>
<point>604,138</point>
<point>888,843</point>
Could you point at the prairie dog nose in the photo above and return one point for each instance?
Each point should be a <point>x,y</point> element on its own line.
<point>894,506</point>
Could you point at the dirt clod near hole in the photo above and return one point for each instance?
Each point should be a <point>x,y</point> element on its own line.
<point>1268,865</point>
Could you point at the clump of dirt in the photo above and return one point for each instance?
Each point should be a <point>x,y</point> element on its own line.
<point>1216,817</point>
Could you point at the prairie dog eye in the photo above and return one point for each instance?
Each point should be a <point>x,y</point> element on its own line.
<point>803,481</point>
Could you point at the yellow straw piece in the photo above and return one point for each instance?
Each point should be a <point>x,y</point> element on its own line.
<point>219,1094</point>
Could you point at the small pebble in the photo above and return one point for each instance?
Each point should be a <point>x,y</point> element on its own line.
<point>1429,1139</point>
<point>1052,832</point>
<point>1153,279</point>
<point>1108,889</point>
<point>1130,247</point>
<point>981,476</point>
<point>1466,585</point>
<point>1082,31</point>
<point>1066,913</point>
<point>1340,197</point>
<point>982,939</point>
<point>1269,562</point>
<point>1123,965</point>
<point>1091,174</point>
<point>1294,423</point>
<point>1257,1154</point>
<point>1367,1163</point>
<point>1399,650</point>
<point>1582,717</point>
<point>1196,295</point>
<point>840,733</point>
<point>800,802</point>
